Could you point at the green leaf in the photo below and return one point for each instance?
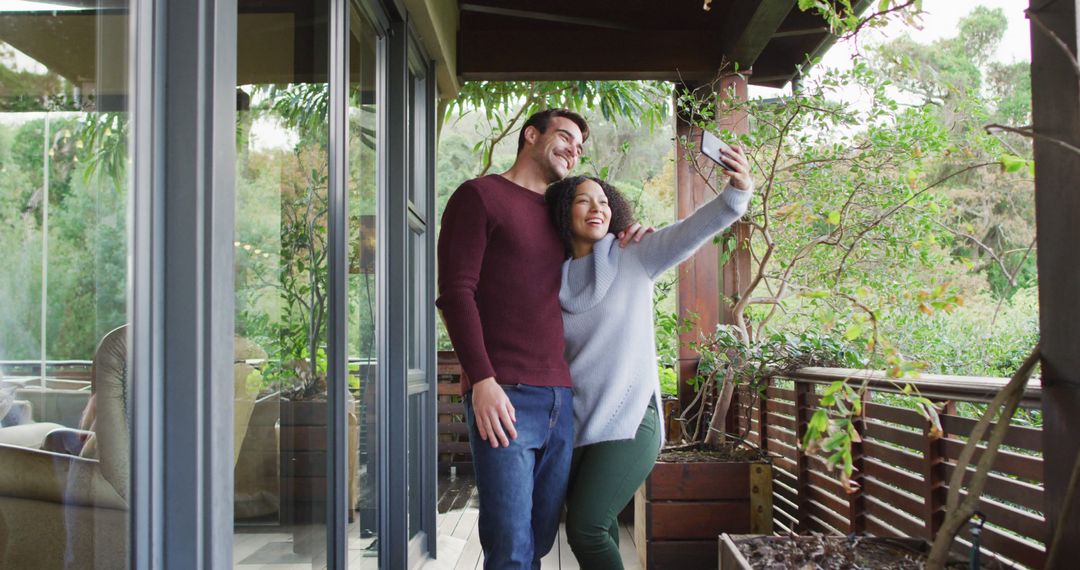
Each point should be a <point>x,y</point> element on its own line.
<point>834,218</point>
<point>1013,163</point>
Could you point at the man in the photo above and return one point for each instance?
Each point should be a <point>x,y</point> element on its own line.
<point>499,277</point>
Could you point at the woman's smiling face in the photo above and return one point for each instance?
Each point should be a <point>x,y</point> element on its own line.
<point>590,213</point>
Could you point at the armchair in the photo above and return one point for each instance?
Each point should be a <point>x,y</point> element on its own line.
<point>66,511</point>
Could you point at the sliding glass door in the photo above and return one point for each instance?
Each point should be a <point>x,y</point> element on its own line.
<point>334,278</point>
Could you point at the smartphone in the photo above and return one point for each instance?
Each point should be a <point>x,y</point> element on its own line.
<point>711,145</point>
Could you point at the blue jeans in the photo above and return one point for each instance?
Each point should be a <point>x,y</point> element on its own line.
<point>522,487</point>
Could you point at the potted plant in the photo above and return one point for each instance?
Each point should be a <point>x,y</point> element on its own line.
<point>714,481</point>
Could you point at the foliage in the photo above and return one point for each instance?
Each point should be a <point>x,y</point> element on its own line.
<point>303,268</point>
<point>867,216</point>
<point>282,249</point>
<point>668,326</point>
<point>845,21</point>
<point>727,360</point>
<point>507,104</point>
<point>87,242</point>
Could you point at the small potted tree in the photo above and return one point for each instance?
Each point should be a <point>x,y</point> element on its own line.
<point>714,481</point>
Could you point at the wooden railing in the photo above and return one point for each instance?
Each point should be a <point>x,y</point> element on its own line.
<point>453,442</point>
<point>902,472</point>
<point>66,369</point>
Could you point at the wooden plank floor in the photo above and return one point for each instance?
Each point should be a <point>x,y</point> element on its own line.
<point>458,546</point>
<point>458,543</point>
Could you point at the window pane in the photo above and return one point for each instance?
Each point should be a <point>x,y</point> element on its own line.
<point>63,286</point>
<point>363,295</point>
<point>281,285</point>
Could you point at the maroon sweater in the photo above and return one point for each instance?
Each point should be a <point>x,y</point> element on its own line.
<point>499,276</point>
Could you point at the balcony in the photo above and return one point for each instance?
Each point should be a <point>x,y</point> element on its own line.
<point>902,470</point>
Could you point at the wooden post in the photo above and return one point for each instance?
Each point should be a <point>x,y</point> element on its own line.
<point>804,393</point>
<point>763,416</point>
<point>700,282</point>
<point>935,484</point>
<point>856,500</point>
<point>1055,88</point>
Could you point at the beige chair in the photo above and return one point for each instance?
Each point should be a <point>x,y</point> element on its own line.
<point>65,511</point>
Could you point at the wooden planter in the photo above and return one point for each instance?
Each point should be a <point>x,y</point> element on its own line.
<point>303,462</point>
<point>682,508</point>
<point>731,558</point>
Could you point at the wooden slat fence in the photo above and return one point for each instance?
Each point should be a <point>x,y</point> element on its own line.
<point>902,472</point>
<point>453,431</point>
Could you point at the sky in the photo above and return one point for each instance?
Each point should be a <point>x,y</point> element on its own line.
<point>941,19</point>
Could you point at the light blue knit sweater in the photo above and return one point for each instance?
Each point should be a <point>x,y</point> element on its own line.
<point>607,305</point>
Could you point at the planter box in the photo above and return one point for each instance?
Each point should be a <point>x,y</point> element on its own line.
<point>682,508</point>
<point>731,558</point>
<point>303,462</point>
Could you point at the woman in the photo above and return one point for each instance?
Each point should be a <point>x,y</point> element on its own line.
<point>606,299</point>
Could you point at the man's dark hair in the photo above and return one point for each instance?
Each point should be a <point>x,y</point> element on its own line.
<point>560,200</point>
<point>541,119</point>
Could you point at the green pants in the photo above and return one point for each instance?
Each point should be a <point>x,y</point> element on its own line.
<point>603,478</point>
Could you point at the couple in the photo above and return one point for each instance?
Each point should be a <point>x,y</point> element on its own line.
<point>545,286</point>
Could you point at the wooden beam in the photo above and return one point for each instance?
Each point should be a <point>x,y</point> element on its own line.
<point>537,54</point>
<point>749,28</point>
<point>820,30</point>
<point>544,16</point>
<point>1056,115</point>
<point>699,289</point>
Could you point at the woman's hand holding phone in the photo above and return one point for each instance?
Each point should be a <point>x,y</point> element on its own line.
<point>736,166</point>
<point>731,159</point>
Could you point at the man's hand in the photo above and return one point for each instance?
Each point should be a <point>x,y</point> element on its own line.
<point>494,414</point>
<point>633,233</point>
<point>739,170</point>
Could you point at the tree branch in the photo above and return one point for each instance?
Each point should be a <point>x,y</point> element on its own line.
<point>989,250</point>
<point>994,128</point>
<point>888,213</point>
<point>507,128</point>
<point>880,14</point>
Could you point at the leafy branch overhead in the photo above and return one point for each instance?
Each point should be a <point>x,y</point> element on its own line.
<point>506,105</point>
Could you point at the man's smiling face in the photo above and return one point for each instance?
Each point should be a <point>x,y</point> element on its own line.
<point>557,150</point>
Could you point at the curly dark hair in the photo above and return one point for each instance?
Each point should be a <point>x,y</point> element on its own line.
<point>560,199</point>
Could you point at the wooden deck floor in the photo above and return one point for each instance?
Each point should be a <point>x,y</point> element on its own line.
<point>458,545</point>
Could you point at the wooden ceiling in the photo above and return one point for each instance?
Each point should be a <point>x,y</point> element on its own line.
<point>635,39</point>
<point>284,40</point>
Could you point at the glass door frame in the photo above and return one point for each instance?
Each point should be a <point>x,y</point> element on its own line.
<point>401,58</point>
<point>422,379</point>
<point>182,100</point>
<point>182,211</point>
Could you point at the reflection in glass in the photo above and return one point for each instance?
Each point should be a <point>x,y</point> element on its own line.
<point>281,247</point>
<point>64,440</point>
